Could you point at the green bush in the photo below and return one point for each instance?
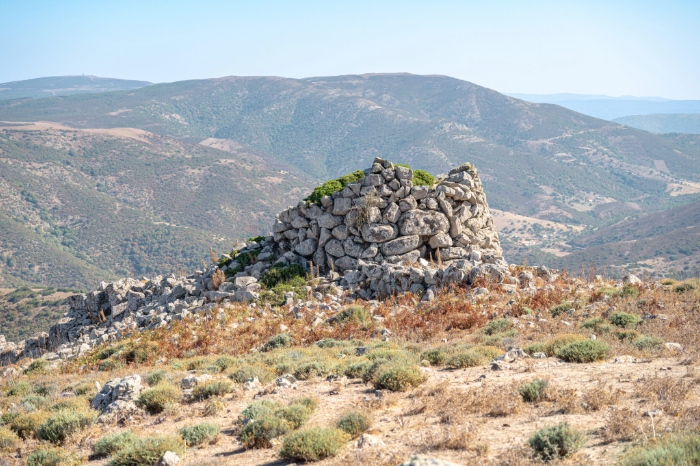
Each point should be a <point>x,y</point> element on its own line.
<point>422,178</point>
<point>8,439</point>
<point>556,442</point>
<point>550,347</point>
<point>683,287</point>
<point>356,369</point>
<point>399,377</point>
<point>354,423</point>
<point>532,348</point>
<point>110,365</point>
<point>312,369</point>
<point>156,399</point>
<point>71,404</point>
<point>33,402</point>
<point>224,362</point>
<point>45,389</point>
<point>197,363</point>
<point>356,314</point>
<point>329,187</point>
<point>313,444</point>
<point>561,309</point>
<point>8,417</point>
<point>52,457</point>
<point>497,326</point>
<point>197,435</point>
<point>647,342</point>
<point>278,275</point>
<point>26,424</point>
<point>147,452</point>
<point>38,365</point>
<point>584,351</point>
<point>630,335</point>
<point>435,356</point>
<point>19,389</point>
<point>597,325</point>
<point>64,424</point>
<point>534,391</point>
<point>155,377</point>
<point>248,371</point>
<point>260,432</point>
<point>311,403</point>
<point>283,340</point>
<point>113,443</point>
<point>258,410</point>
<point>680,449</point>
<point>476,356</point>
<point>623,319</point>
<point>296,415</point>
<point>212,388</point>
<point>86,388</point>
<point>628,290</point>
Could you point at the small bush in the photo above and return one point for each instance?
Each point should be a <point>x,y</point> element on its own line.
<point>647,342</point>
<point>197,435</point>
<point>623,319</point>
<point>19,389</point>
<point>212,388</point>
<point>214,406</point>
<point>356,369</point>
<point>597,325</point>
<point>296,415</point>
<point>313,444</point>
<point>532,348</point>
<point>8,439</point>
<point>110,365</point>
<point>552,346</point>
<point>556,442</point>
<point>476,356</point>
<point>197,363</point>
<point>282,340</point>
<point>45,389</point>
<point>8,417</point>
<point>280,275</point>
<point>156,399</point>
<point>247,371</point>
<point>584,351</point>
<point>155,377</point>
<point>52,457</point>
<point>356,314</point>
<point>628,290</point>
<point>497,326</point>
<point>331,186</point>
<point>64,424</point>
<point>534,391</point>
<point>26,424</point>
<point>260,432</point>
<point>310,402</point>
<point>147,452</point>
<point>85,388</point>
<point>113,443</point>
<point>33,402</point>
<point>224,362</point>
<point>435,356</point>
<point>683,287</point>
<point>422,178</point>
<point>679,450</point>
<point>560,309</point>
<point>330,343</point>
<point>312,369</point>
<point>258,410</point>
<point>354,423</point>
<point>629,335</point>
<point>38,366</point>
<point>399,377</point>
<point>71,404</point>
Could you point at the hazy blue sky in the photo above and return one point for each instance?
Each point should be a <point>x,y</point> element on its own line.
<point>593,47</point>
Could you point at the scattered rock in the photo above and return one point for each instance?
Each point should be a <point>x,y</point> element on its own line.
<point>168,459</point>
<point>420,460</point>
<point>674,347</point>
<point>368,441</point>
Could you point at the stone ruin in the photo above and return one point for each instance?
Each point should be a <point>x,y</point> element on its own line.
<point>383,217</point>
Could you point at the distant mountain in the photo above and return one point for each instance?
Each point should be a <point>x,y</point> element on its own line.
<point>537,160</point>
<point>610,108</point>
<point>670,123</point>
<point>65,85</point>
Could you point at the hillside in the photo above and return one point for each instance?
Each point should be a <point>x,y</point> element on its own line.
<point>80,206</point>
<point>65,85</point>
<point>664,123</point>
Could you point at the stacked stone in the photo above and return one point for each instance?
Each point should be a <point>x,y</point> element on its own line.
<point>384,218</point>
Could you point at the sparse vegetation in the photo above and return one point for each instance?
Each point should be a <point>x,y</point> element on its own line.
<point>584,351</point>
<point>199,434</point>
<point>354,423</point>
<point>534,391</point>
<point>313,444</point>
<point>556,442</point>
<point>113,443</point>
<point>158,398</point>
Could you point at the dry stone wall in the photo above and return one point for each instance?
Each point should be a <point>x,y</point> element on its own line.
<point>385,218</point>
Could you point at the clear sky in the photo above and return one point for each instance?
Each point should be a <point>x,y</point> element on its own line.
<point>643,48</point>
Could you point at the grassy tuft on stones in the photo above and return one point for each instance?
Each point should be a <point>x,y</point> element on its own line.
<point>331,186</point>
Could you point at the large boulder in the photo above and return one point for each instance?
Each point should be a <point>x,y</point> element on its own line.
<point>423,223</point>
<point>379,233</point>
<point>401,245</point>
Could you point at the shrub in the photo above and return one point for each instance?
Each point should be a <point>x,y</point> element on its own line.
<point>65,423</point>
<point>153,378</point>
<point>260,432</point>
<point>683,287</point>
<point>497,339</point>
<point>561,309</point>
<point>647,342</point>
<point>356,314</point>
<point>356,369</point>
<point>627,335</point>
<point>214,406</point>
<point>312,369</point>
<point>33,402</point>
<point>197,363</point>
<point>197,435</point>
<point>45,389</point>
<point>628,290</point>
<point>74,404</point>
<point>422,178</point>
<point>532,348</point>
<point>19,389</point>
<point>52,457</point>
<point>329,343</point>
<point>8,439</point>
<point>534,391</point>
<point>471,357</point>
<point>224,362</point>
<point>623,319</point>
<point>399,377</point>
<point>38,365</point>
<point>313,444</point>
<point>683,449</point>
<point>584,351</point>
<point>26,424</point>
<point>111,444</point>
<point>147,452</point>
<point>212,388</point>
<point>497,326</point>
<point>156,399</point>
<point>550,347</point>
<point>310,402</point>
<point>354,423</point>
<point>8,417</point>
<point>597,325</point>
<point>282,340</point>
<point>257,410</point>
<point>85,388</point>
<point>329,187</point>
<point>296,415</point>
<point>278,275</point>
<point>556,442</point>
<point>435,356</point>
<point>109,365</point>
<point>247,371</point>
